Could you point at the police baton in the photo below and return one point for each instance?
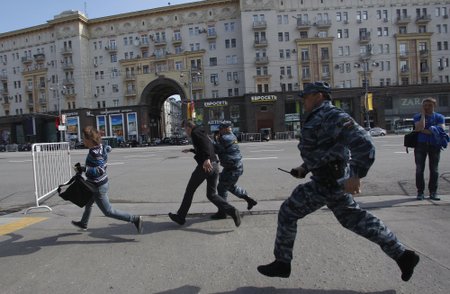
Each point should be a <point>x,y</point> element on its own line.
<point>283,170</point>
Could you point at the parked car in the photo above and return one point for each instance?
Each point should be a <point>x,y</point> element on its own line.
<point>166,140</point>
<point>2,148</point>
<point>24,147</point>
<point>377,132</point>
<point>180,141</point>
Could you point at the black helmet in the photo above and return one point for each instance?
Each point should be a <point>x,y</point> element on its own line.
<point>316,87</point>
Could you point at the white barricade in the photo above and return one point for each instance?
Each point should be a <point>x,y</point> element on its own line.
<point>289,135</point>
<point>51,168</point>
<point>251,137</point>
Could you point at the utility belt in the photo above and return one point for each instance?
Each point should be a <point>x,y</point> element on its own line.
<point>331,173</point>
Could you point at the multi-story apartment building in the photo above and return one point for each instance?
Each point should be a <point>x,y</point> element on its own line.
<point>237,60</point>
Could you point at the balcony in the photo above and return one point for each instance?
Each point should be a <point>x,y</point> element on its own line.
<point>66,51</point>
<point>4,92</point>
<point>364,38</point>
<point>197,85</point>
<point>29,88</point>
<point>423,52</point>
<point>177,40</point>
<point>260,60</point>
<point>404,70</point>
<point>43,101</point>
<point>68,82</point>
<point>211,35</point>
<point>27,60</point>
<point>303,24</point>
<point>67,66</point>
<point>160,42</point>
<point>323,24</point>
<point>260,43</point>
<point>305,60</point>
<point>30,102</point>
<point>403,54</point>
<point>259,25</point>
<point>143,44</point>
<point>111,49</point>
<point>130,93</point>
<point>403,20</point>
<point>423,19</point>
<point>130,77</point>
<point>3,77</point>
<point>306,77</point>
<point>40,57</point>
<point>69,95</point>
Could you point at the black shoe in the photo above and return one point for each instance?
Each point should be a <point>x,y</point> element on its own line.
<point>250,203</point>
<point>407,262</point>
<point>420,196</point>
<point>236,217</point>
<point>79,225</point>
<point>176,218</point>
<point>139,224</point>
<point>434,196</point>
<point>219,215</point>
<point>276,269</point>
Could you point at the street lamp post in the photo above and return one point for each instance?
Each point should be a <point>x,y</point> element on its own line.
<point>364,66</point>
<point>190,98</point>
<point>61,128</point>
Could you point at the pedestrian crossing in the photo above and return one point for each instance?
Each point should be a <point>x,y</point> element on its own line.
<point>12,224</point>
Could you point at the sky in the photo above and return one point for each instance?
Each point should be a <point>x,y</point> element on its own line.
<point>20,14</point>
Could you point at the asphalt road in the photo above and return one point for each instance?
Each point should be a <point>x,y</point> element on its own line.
<point>43,253</point>
<point>160,174</point>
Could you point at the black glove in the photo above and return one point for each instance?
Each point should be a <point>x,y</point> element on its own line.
<point>294,173</point>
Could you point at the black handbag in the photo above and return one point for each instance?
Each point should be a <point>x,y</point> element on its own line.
<point>410,140</point>
<point>79,191</point>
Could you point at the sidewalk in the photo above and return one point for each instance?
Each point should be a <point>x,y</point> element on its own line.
<point>204,256</point>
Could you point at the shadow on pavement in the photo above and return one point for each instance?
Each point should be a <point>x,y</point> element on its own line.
<point>387,203</point>
<point>13,246</point>
<point>272,290</point>
<point>182,290</point>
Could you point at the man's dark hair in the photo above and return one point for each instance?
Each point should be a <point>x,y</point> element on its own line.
<point>188,123</point>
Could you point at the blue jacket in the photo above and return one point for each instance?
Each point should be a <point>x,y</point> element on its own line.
<point>331,135</point>
<point>96,163</point>
<point>440,137</point>
<point>227,149</point>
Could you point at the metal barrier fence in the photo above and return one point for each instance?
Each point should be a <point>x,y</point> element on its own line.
<point>251,137</point>
<point>285,135</point>
<point>51,168</point>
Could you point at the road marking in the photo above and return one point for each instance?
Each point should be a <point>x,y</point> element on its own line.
<point>19,224</point>
<point>401,152</point>
<point>268,150</point>
<point>116,163</point>
<point>19,161</point>
<point>260,158</point>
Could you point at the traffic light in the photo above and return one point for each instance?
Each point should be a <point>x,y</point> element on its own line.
<point>369,101</point>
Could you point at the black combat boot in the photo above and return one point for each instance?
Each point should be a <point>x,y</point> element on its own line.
<point>250,202</point>
<point>407,262</point>
<point>276,269</point>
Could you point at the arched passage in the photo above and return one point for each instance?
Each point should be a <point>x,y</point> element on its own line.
<point>153,97</point>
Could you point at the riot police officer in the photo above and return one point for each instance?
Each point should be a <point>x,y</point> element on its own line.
<point>338,152</point>
<point>227,148</point>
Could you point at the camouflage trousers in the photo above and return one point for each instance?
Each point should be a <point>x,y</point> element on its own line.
<point>309,197</point>
<point>227,182</point>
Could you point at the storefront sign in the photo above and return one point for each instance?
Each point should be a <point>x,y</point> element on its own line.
<point>265,98</point>
<point>288,117</point>
<point>215,103</point>
<point>218,122</point>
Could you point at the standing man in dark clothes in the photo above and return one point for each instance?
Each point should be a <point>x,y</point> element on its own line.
<point>207,169</point>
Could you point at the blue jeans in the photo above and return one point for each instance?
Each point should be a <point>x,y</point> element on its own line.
<point>102,201</point>
<point>420,154</point>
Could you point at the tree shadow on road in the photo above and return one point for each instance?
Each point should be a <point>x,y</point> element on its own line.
<point>272,290</point>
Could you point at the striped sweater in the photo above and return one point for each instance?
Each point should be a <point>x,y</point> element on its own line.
<point>96,163</point>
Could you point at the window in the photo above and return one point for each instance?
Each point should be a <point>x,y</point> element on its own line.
<point>338,16</point>
<point>215,93</point>
<point>280,37</point>
<point>213,61</point>
<point>339,34</point>
<point>214,79</point>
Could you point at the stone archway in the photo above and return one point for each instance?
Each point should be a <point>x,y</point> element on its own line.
<point>153,97</point>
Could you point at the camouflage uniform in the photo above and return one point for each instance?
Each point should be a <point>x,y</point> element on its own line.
<point>328,137</point>
<point>230,157</point>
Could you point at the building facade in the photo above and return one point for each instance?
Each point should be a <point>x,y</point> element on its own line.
<point>237,60</point>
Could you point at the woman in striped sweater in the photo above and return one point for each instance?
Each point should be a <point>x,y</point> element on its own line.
<point>95,171</point>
